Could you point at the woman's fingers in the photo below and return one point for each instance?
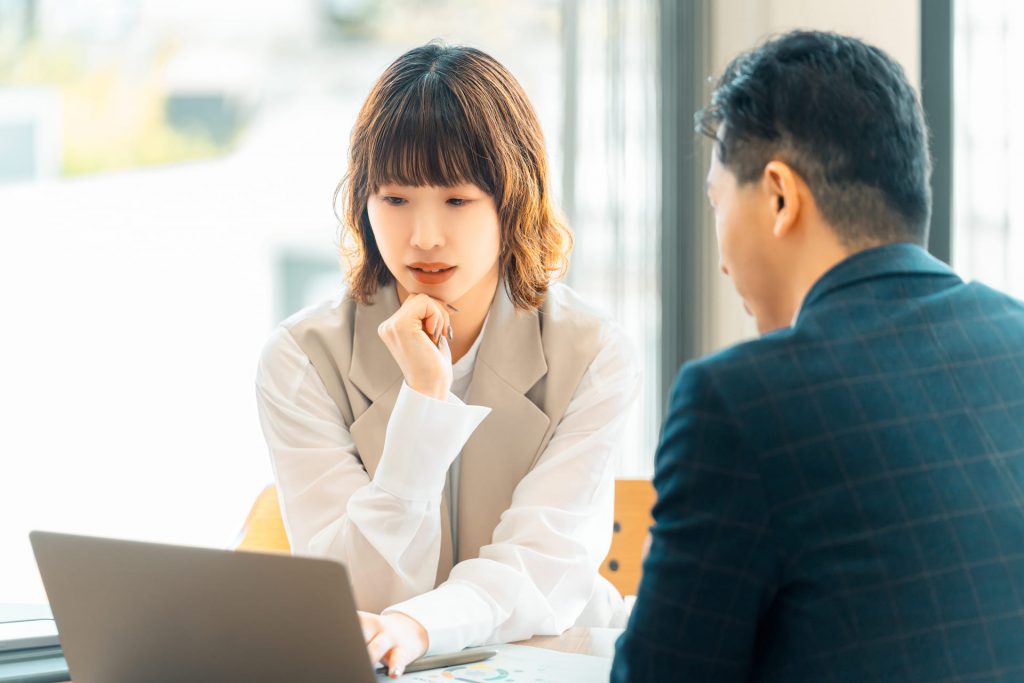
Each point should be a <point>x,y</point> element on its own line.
<point>447,331</point>
<point>427,312</point>
<point>420,318</point>
<point>432,324</point>
<point>442,317</point>
<point>438,321</point>
<point>379,645</point>
<point>446,321</point>
<point>434,316</point>
<point>394,640</point>
<point>370,623</point>
<point>396,659</point>
<point>376,636</point>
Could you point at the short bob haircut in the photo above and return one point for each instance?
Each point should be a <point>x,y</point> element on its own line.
<point>441,116</point>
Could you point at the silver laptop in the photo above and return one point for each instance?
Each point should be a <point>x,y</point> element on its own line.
<point>130,612</point>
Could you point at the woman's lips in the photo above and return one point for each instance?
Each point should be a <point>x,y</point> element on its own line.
<point>431,273</point>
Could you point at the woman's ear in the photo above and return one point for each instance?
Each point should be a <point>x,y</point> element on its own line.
<point>782,186</point>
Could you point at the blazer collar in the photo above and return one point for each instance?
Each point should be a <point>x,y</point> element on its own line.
<point>512,346</point>
<point>372,369</point>
<point>890,259</point>
<point>501,450</point>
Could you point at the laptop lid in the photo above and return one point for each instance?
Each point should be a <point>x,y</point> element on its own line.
<point>129,611</point>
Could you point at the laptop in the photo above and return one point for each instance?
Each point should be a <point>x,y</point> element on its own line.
<point>128,611</point>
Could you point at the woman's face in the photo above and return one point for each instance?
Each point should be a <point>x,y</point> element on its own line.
<point>439,241</point>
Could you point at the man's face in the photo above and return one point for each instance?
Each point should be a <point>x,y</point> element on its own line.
<point>748,252</point>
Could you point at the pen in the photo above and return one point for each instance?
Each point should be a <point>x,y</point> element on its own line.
<point>454,659</point>
<point>449,332</point>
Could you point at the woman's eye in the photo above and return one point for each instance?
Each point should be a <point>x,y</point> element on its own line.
<point>394,201</point>
<point>457,202</point>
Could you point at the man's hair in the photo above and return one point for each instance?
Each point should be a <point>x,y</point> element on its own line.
<point>443,115</point>
<point>841,114</point>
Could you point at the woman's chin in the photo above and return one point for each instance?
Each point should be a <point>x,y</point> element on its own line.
<point>451,291</point>
<point>445,291</point>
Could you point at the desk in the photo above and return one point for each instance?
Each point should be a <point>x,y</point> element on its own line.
<point>599,642</point>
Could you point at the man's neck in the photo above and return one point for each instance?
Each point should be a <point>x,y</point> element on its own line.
<point>808,274</point>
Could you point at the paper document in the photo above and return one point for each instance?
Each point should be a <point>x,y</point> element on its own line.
<point>21,635</point>
<point>26,626</point>
<point>519,664</point>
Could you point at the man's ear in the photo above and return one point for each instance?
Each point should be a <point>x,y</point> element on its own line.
<point>783,194</point>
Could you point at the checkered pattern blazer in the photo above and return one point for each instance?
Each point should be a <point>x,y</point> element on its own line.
<point>843,500</point>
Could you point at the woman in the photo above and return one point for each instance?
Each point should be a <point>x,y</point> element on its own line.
<point>446,427</point>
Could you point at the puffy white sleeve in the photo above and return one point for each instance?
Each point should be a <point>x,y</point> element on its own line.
<point>541,568</point>
<point>387,530</point>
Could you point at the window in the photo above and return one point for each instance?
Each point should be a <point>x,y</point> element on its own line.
<point>612,187</point>
<point>988,238</point>
<point>166,174</point>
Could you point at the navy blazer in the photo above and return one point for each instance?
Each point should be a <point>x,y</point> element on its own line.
<point>843,500</point>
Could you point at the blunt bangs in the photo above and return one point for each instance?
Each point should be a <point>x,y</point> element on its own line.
<point>423,136</point>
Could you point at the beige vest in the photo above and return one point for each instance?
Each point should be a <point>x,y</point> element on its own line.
<point>526,371</point>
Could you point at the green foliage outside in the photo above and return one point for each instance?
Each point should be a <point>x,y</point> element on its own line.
<point>112,115</point>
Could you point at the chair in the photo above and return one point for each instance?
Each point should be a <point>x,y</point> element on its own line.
<point>634,499</point>
<point>264,531</point>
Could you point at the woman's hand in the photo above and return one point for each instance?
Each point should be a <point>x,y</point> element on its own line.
<point>394,640</point>
<point>417,336</point>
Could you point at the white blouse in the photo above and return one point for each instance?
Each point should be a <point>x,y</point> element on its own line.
<point>541,566</point>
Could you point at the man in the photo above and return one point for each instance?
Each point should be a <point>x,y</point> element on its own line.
<point>843,498</point>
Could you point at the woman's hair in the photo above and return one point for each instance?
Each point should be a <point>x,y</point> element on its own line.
<point>442,116</point>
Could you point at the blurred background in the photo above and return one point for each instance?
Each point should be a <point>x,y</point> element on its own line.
<point>166,179</point>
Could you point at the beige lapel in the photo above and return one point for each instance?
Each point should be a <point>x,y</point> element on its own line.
<point>502,449</point>
<point>376,374</point>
